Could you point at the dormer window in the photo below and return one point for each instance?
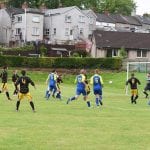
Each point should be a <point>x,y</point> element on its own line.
<point>18,18</point>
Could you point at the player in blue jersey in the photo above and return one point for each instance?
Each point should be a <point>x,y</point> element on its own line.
<point>52,83</point>
<point>97,82</point>
<point>80,88</point>
<point>147,87</point>
<point>58,90</point>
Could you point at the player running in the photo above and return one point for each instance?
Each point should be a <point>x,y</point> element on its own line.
<point>52,83</point>
<point>58,90</point>
<point>15,77</point>
<point>97,82</point>
<point>133,81</point>
<point>4,77</point>
<point>23,83</point>
<point>80,88</point>
<point>147,87</point>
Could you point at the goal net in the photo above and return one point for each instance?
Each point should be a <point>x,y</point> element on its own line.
<point>137,67</point>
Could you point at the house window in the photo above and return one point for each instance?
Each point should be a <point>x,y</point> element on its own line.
<point>81,19</point>
<point>54,31</point>
<point>141,53</point>
<point>71,32</point>
<point>47,31</point>
<point>67,18</point>
<point>115,53</point>
<point>35,31</point>
<point>36,19</point>
<point>18,18</point>
<point>18,31</point>
<point>67,31</point>
<point>81,31</point>
<point>91,20</point>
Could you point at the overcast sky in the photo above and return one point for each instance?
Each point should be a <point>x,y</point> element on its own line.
<point>143,6</point>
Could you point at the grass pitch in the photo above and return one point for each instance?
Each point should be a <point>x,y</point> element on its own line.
<point>117,125</point>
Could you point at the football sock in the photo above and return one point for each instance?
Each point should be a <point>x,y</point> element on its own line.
<point>145,93</point>
<point>88,103</point>
<point>132,97</point>
<point>32,105</point>
<point>54,92</point>
<point>0,91</point>
<point>58,95</point>
<point>97,102</point>
<point>100,99</point>
<point>72,98</point>
<point>136,97</point>
<point>46,94</point>
<point>17,105</point>
<point>7,94</point>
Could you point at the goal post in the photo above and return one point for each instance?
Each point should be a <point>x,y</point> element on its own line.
<point>136,67</point>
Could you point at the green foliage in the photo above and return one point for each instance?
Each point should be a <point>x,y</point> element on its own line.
<point>75,54</point>
<point>124,7</point>
<point>43,50</point>
<point>146,15</point>
<point>123,53</point>
<point>113,6</point>
<point>105,63</point>
<point>80,53</point>
<point>23,48</point>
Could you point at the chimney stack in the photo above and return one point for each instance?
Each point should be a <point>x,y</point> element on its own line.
<point>2,5</point>
<point>43,7</point>
<point>25,5</point>
<point>106,12</point>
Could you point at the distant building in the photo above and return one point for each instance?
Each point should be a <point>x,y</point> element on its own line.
<point>109,43</point>
<point>20,25</point>
<point>68,25</point>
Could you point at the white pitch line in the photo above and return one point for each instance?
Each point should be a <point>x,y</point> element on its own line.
<point>125,109</point>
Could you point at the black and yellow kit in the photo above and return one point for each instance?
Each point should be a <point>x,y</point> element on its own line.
<point>24,82</point>
<point>15,77</point>
<point>4,77</point>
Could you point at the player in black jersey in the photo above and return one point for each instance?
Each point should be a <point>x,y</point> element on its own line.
<point>15,77</point>
<point>133,81</point>
<point>23,83</point>
<point>4,77</point>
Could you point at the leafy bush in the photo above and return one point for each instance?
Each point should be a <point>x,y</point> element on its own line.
<point>76,63</point>
<point>123,53</point>
<point>23,48</point>
<point>43,50</point>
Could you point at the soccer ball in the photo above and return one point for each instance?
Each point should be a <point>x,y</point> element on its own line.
<point>110,82</point>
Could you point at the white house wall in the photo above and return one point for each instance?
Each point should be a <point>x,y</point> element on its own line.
<point>58,22</point>
<point>5,27</point>
<point>29,25</point>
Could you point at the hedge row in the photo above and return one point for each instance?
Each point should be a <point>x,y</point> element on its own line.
<point>53,62</point>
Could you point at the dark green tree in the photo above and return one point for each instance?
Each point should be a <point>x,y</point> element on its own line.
<point>124,7</point>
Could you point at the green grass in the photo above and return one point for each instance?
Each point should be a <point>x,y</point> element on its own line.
<point>117,125</point>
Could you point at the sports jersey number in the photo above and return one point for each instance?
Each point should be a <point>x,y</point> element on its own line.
<point>23,81</point>
<point>79,79</point>
<point>133,81</point>
<point>96,80</point>
<point>52,77</point>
